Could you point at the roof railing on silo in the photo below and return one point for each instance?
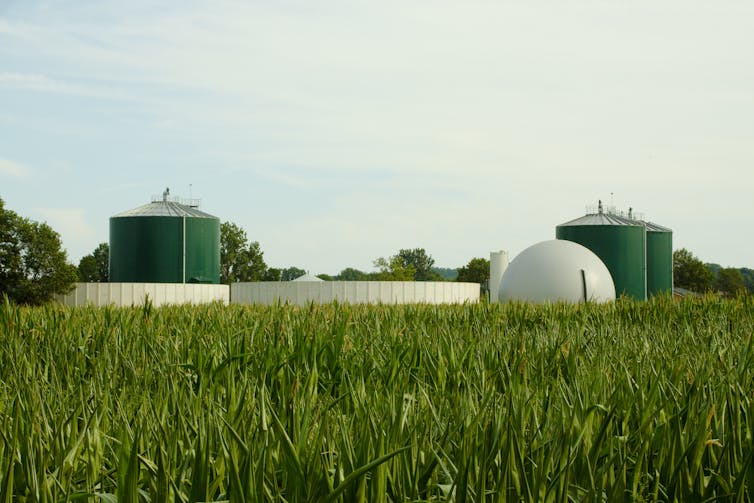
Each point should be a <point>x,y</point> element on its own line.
<point>191,202</point>
<point>602,209</point>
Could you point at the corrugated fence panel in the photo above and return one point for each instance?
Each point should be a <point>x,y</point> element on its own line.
<point>354,292</point>
<point>127,294</point>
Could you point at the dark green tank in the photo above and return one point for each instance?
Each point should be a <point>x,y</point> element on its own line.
<point>619,242</point>
<point>659,259</point>
<point>165,242</point>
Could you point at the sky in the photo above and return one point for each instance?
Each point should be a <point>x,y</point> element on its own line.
<point>335,132</point>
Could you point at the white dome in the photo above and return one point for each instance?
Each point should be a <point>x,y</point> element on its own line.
<point>557,270</point>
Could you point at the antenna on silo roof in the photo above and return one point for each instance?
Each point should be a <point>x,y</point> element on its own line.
<point>166,194</point>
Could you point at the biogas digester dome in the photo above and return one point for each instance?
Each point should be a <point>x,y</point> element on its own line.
<point>556,271</point>
<point>165,242</point>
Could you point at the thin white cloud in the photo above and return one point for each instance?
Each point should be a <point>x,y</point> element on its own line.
<point>13,169</point>
<point>498,115</point>
<point>71,223</point>
<point>45,84</point>
<point>124,187</point>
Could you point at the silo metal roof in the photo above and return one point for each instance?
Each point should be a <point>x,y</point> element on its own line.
<point>602,219</point>
<point>165,209</point>
<point>653,227</point>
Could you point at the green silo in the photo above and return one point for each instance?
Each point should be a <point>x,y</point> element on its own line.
<point>659,259</point>
<point>621,244</point>
<point>165,242</point>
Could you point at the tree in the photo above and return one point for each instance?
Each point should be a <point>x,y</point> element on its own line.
<point>421,262</point>
<point>689,272</point>
<point>95,267</point>
<point>351,274</point>
<point>239,259</point>
<point>10,252</point>
<point>291,273</point>
<point>272,274</point>
<point>395,269</point>
<point>446,273</point>
<point>33,264</point>
<point>476,271</point>
<point>87,269</point>
<point>730,281</point>
<point>748,275</point>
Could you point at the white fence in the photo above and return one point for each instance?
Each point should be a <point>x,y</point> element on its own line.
<point>354,292</point>
<point>128,294</point>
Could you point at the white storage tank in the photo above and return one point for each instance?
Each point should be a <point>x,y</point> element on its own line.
<point>557,271</point>
<point>498,263</point>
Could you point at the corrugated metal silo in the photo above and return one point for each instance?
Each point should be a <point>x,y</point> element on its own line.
<point>621,244</point>
<point>165,242</point>
<point>659,259</point>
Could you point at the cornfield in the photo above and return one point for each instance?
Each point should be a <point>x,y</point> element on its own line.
<point>631,401</point>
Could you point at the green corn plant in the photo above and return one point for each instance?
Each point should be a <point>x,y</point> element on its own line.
<point>639,401</point>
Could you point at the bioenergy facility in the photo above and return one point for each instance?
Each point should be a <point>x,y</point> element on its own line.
<point>165,241</point>
<point>168,251</point>
<point>636,254</point>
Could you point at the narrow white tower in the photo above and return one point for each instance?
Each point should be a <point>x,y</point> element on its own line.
<point>498,264</point>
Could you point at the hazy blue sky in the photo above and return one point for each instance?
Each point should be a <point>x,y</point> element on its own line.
<point>336,132</point>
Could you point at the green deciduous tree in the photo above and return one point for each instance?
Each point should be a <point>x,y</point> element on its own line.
<point>351,274</point>
<point>446,273</point>
<point>476,271</point>
<point>291,273</point>
<point>730,281</point>
<point>689,272</point>
<point>272,274</point>
<point>33,264</point>
<point>95,266</point>
<point>748,275</point>
<point>421,262</point>
<point>10,252</point>
<point>239,259</point>
<point>87,269</point>
<point>393,269</point>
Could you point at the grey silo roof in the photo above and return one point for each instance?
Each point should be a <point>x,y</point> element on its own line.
<point>164,209</point>
<point>602,219</point>
<point>653,227</point>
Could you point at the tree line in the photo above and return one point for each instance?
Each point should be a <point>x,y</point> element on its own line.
<point>34,266</point>
<point>243,260</point>
<point>691,273</point>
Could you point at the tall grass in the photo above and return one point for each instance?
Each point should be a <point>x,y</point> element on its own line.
<point>629,401</point>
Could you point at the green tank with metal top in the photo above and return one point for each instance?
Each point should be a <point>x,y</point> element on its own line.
<point>165,241</point>
<point>659,259</point>
<point>620,243</point>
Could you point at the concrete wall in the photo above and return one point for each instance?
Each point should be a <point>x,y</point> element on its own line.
<point>127,294</point>
<point>354,292</point>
